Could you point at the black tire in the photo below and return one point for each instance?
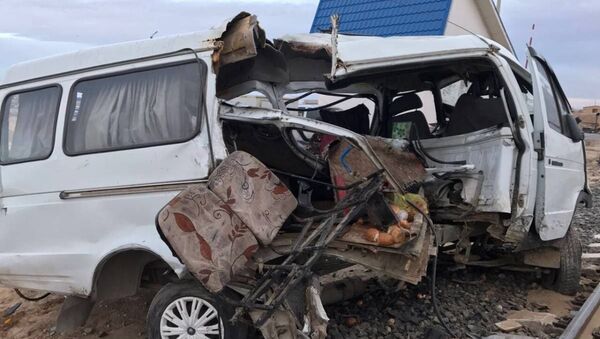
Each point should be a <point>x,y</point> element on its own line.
<point>565,280</point>
<point>173,291</point>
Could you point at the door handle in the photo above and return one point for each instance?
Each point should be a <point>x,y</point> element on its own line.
<point>556,163</point>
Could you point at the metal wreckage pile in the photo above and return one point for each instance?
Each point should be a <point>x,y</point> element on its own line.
<point>246,231</point>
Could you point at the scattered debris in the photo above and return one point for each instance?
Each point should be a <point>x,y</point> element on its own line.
<point>508,325</point>
<point>596,333</point>
<point>351,321</point>
<point>11,310</point>
<point>529,318</point>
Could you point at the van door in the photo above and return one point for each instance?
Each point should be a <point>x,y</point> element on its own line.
<point>561,159</point>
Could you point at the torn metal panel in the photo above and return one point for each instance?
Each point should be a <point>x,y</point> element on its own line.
<point>245,55</point>
<point>359,53</point>
<point>459,190</point>
<point>240,41</point>
<point>316,318</point>
<point>280,325</point>
<point>278,280</point>
<point>301,248</point>
<point>278,118</point>
<point>409,268</point>
<point>308,50</point>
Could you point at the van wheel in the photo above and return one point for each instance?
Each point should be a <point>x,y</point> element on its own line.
<point>565,280</point>
<point>187,310</point>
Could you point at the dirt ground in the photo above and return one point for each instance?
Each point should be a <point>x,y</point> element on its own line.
<point>121,319</point>
<point>125,319</point>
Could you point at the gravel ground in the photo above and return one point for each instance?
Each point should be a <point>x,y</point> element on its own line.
<point>586,220</point>
<point>471,301</point>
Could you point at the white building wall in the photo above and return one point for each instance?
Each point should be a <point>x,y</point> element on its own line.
<point>466,13</point>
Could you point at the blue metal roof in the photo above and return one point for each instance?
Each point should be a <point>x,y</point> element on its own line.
<point>384,17</point>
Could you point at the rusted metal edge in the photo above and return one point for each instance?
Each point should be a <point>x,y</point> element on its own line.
<point>241,41</point>
<point>585,313</point>
<point>130,189</point>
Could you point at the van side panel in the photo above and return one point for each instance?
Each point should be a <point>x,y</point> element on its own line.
<point>55,244</point>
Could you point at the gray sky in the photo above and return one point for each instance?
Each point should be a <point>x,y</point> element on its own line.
<point>567,32</point>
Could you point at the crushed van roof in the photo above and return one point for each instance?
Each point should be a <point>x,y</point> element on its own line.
<point>363,49</point>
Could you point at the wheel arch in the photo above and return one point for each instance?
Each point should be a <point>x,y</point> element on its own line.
<point>119,273</point>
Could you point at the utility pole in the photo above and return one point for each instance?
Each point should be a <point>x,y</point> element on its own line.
<point>530,43</point>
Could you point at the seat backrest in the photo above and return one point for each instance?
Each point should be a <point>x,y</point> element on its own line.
<point>399,109</point>
<point>406,102</point>
<point>256,195</point>
<point>473,113</point>
<point>214,244</point>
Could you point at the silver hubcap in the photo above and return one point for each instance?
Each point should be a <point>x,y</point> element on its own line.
<point>191,318</point>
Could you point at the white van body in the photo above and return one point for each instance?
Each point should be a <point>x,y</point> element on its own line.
<point>60,242</point>
<point>78,224</point>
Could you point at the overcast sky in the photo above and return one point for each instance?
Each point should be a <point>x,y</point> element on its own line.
<point>567,32</point>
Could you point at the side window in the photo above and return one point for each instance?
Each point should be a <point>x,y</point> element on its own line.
<point>144,108</point>
<point>552,110</point>
<point>527,93</point>
<point>28,125</point>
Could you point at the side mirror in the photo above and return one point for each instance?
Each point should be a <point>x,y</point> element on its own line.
<point>575,132</point>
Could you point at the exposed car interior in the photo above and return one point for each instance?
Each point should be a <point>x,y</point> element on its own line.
<point>454,116</point>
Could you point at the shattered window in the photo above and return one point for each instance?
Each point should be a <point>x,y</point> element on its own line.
<point>347,106</point>
<point>452,92</point>
<point>353,111</point>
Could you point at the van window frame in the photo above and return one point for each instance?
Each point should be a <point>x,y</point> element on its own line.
<point>202,110</point>
<point>56,114</point>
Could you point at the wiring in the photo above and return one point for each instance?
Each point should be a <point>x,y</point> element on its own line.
<point>434,301</point>
<point>419,147</point>
<point>20,294</point>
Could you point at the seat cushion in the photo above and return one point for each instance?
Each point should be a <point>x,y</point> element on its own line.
<point>254,194</point>
<point>213,242</point>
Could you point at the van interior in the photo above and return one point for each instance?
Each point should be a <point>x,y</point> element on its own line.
<point>454,117</point>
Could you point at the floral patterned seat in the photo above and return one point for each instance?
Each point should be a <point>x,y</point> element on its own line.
<point>216,228</point>
<point>254,193</point>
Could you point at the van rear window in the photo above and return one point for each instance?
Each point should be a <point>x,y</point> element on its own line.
<point>28,125</point>
<point>144,108</point>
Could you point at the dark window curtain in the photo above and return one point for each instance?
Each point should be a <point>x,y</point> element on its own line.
<point>28,122</point>
<point>136,109</point>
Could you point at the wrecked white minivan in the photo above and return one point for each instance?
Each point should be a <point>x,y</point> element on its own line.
<point>132,163</point>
